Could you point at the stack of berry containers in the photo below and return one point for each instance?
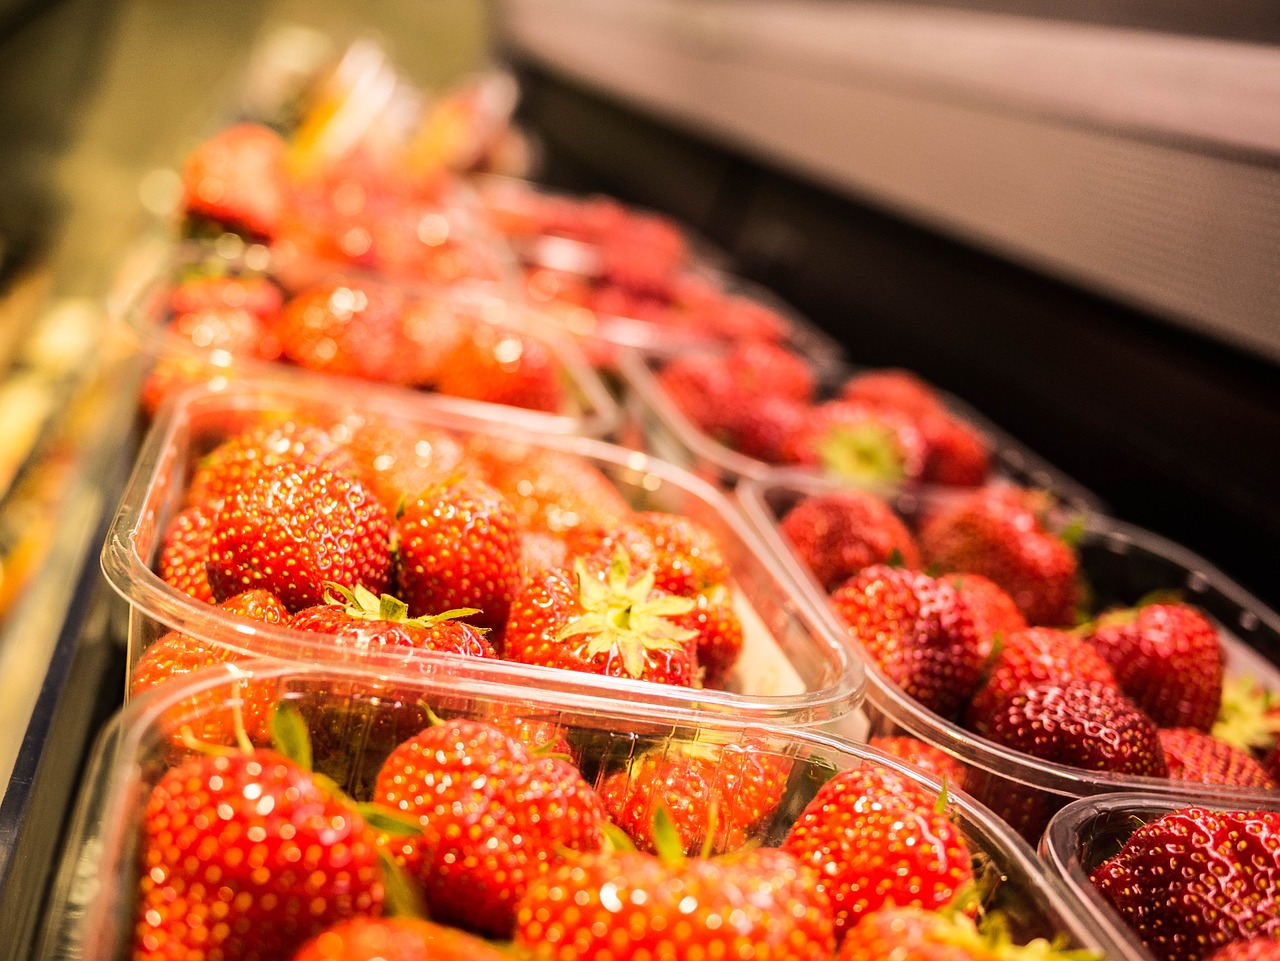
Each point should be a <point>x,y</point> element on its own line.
<point>607,753</point>
<point>1195,855</point>
<point>231,310</point>
<point>789,667</point>
<point>784,401</point>
<point>1122,566</point>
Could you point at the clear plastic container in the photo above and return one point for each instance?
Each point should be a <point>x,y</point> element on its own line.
<point>793,669</point>
<point>1088,831</point>
<point>92,907</point>
<point>673,436</point>
<point>1122,564</point>
<point>142,295</point>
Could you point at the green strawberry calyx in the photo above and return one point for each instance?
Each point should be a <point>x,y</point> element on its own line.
<point>1248,716</point>
<point>619,614</point>
<point>862,453</point>
<point>361,604</point>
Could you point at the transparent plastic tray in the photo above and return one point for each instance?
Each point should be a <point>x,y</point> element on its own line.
<point>93,902</point>
<point>1121,564</point>
<point>141,302</point>
<point>793,668</point>
<point>1088,831</point>
<point>672,435</point>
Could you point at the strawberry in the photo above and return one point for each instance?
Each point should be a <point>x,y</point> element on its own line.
<point>1168,660</point>
<point>923,755</point>
<point>957,454</point>
<point>839,533</point>
<point>684,556</point>
<point>634,906</point>
<point>176,654</point>
<point>995,615</point>
<point>541,551</point>
<point>245,856</point>
<point>913,934</point>
<point>729,792</point>
<point>231,330</point>
<point>397,939</point>
<point>878,839</point>
<point>290,528</point>
<point>761,368</point>
<point>357,618</point>
<point>1000,533</point>
<point>458,545</point>
<point>237,177</point>
<point>858,444</point>
<point>1195,756</point>
<point>615,625</point>
<point>1084,724</point>
<point>494,818</point>
<point>917,630</point>
<point>1037,655</point>
<point>275,440</point>
<point>502,366</point>
<point>719,638</point>
<point>258,295</point>
<point>893,389</point>
<point>397,459</point>
<point>183,550</point>
<point>1195,880</point>
<point>763,428</point>
<point>701,388</point>
<point>1263,948</point>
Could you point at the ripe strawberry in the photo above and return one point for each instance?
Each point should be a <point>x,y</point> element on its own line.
<point>258,295</point>
<point>397,459</point>
<point>358,619</point>
<point>290,528</point>
<point>493,817</point>
<point>397,939</point>
<point>1263,948</point>
<point>183,550</point>
<point>999,532</point>
<point>684,556</point>
<point>502,366</point>
<point>1084,724</point>
<point>245,856</point>
<point>995,615</point>
<point>893,389</point>
<point>612,625</point>
<point>877,839</point>
<point>701,388</point>
<point>720,636</point>
<point>237,177</point>
<point>917,630</point>
<point>763,428</point>
<point>176,654</point>
<point>1195,756</point>
<point>1027,658</point>
<point>232,330</point>
<point>761,368</point>
<point>552,491</point>
<point>718,797</point>
<point>923,755</point>
<point>270,442</point>
<point>858,444</point>
<point>1167,659</point>
<point>957,455</point>
<point>458,545</point>
<point>760,903</point>
<point>1195,880</point>
<point>913,934</point>
<point>839,533</point>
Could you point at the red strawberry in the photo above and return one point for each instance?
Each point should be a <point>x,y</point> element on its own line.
<point>290,528</point>
<point>958,455</point>
<point>764,369</point>
<point>1037,655</point>
<point>917,630</point>
<point>397,939</point>
<point>397,459</point>
<point>176,654</point>
<point>231,330</point>
<point>276,440</point>
<point>493,817</point>
<point>1084,724</point>
<point>760,903</point>
<point>1196,756</point>
<point>615,626</point>
<point>720,634</point>
<point>877,839</point>
<point>839,533</point>
<point>923,755</point>
<point>893,389</point>
<point>1168,660</point>
<point>914,934</point>
<point>1264,948</point>
<point>998,532</point>
<point>701,388</point>
<point>763,428</point>
<point>258,295</point>
<point>731,790</point>
<point>541,551</point>
<point>502,366</point>
<point>858,444</point>
<point>360,620</point>
<point>183,551</point>
<point>458,545</point>
<point>237,177</point>
<point>995,615</point>
<point>245,856</point>
<point>1195,880</point>
<point>683,555</point>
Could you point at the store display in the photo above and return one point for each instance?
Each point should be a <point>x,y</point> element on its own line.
<point>1043,719</point>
